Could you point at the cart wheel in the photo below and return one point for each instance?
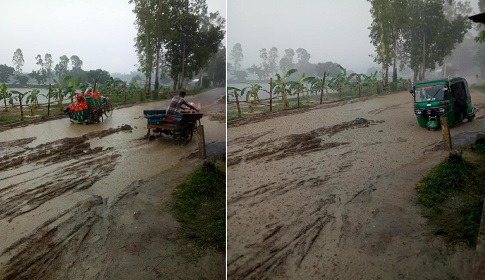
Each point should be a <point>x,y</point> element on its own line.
<point>185,136</point>
<point>108,109</point>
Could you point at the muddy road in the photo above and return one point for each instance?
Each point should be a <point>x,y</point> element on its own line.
<point>89,201</point>
<point>327,193</point>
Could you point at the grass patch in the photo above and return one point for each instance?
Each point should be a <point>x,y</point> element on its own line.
<point>451,198</point>
<point>200,206</point>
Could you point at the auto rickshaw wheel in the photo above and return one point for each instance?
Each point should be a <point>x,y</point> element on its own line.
<point>185,135</point>
<point>470,118</point>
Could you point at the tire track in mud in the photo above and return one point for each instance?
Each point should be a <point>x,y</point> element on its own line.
<point>294,144</point>
<point>50,170</point>
<point>285,243</point>
<point>37,255</point>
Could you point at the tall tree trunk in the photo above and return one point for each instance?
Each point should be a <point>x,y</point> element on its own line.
<point>444,68</point>
<point>181,79</point>
<point>201,77</point>
<point>157,67</point>
<point>423,66</point>
<point>394,68</point>
<point>415,75</point>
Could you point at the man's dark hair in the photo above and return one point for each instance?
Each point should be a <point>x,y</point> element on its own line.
<point>182,93</point>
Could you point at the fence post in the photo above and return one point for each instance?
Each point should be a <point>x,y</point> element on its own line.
<point>21,107</point>
<point>201,141</point>
<point>445,130</point>
<point>237,104</point>
<point>49,100</point>
<point>298,97</point>
<point>323,87</point>
<point>271,94</point>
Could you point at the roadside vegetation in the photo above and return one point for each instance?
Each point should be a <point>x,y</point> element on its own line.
<point>199,205</point>
<point>451,196</point>
<point>306,91</point>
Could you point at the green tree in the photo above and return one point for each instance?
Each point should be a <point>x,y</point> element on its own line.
<point>286,62</point>
<point>426,45</point>
<point>76,62</point>
<point>21,79</point>
<point>61,68</point>
<point>48,65</point>
<point>98,75</point>
<point>237,56</point>
<point>331,68</point>
<point>303,64</point>
<point>272,60</point>
<point>263,54</point>
<point>257,70</point>
<point>217,66</point>
<point>5,73</point>
<point>18,60</point>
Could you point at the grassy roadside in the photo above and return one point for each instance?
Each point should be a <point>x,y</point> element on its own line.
<point>452,195</point>
<point>199,204</point>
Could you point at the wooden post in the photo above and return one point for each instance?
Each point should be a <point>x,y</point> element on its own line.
<point>49,100</point>
<point>323,87</point>
<point>21,107</point>
<point>445,130</point>
<point>237,104</point>
<point>271,94</point>
<point>201,141</point>
<point>298,97</point>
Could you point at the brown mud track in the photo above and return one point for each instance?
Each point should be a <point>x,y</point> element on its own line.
<point>293,144</point>
<point>77,167</point>
<point>327,193</point>
<point>91,201</point>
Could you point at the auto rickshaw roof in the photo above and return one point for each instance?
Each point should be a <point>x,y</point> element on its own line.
<point>440,82</point>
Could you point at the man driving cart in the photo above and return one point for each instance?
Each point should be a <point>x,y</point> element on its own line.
<point>175,106</point>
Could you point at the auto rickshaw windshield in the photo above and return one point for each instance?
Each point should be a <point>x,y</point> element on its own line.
<point>431,93</point>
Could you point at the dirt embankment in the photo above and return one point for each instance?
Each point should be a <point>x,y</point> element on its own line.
<point>327,193</point>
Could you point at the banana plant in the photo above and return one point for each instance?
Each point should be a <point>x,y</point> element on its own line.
<point>299,86</point>
<point>251,93</point>
<point>71,88</point>
<point>281,86</point>
<point>233,91</point>
<point>32,100</point>
<point>19,97</point>
<point>5,95</point>
<point>338,82</point>
<point>61,92</point>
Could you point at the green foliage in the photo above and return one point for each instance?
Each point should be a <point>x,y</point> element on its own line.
<point>451,197</point>
<point>18,60</point>
<point>5,95</point>
<point>199,205</point>
<point>5,73</point>
<point>22,79</point>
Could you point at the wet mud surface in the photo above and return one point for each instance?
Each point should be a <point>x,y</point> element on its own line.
<point>328,194</point>
<point>91,201</point>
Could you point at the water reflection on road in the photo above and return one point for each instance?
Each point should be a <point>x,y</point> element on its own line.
<point>134,158</point>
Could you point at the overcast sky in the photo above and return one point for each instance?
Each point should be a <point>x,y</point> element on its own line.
<point>329,30</point>
<point>100,32</point>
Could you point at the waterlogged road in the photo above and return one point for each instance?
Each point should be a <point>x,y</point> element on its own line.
<point>327,193</point>
<point>57,179</point>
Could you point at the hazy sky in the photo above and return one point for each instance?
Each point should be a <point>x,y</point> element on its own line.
<point>329,30</point>
<point>100,32</point>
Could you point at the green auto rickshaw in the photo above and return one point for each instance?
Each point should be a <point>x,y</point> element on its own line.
<point>445,97</point>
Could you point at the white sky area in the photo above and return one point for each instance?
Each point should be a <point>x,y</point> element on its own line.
<point>330,30</point>
<point>100,32</point>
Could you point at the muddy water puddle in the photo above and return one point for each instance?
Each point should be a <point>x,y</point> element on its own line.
<point>48,168</point>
